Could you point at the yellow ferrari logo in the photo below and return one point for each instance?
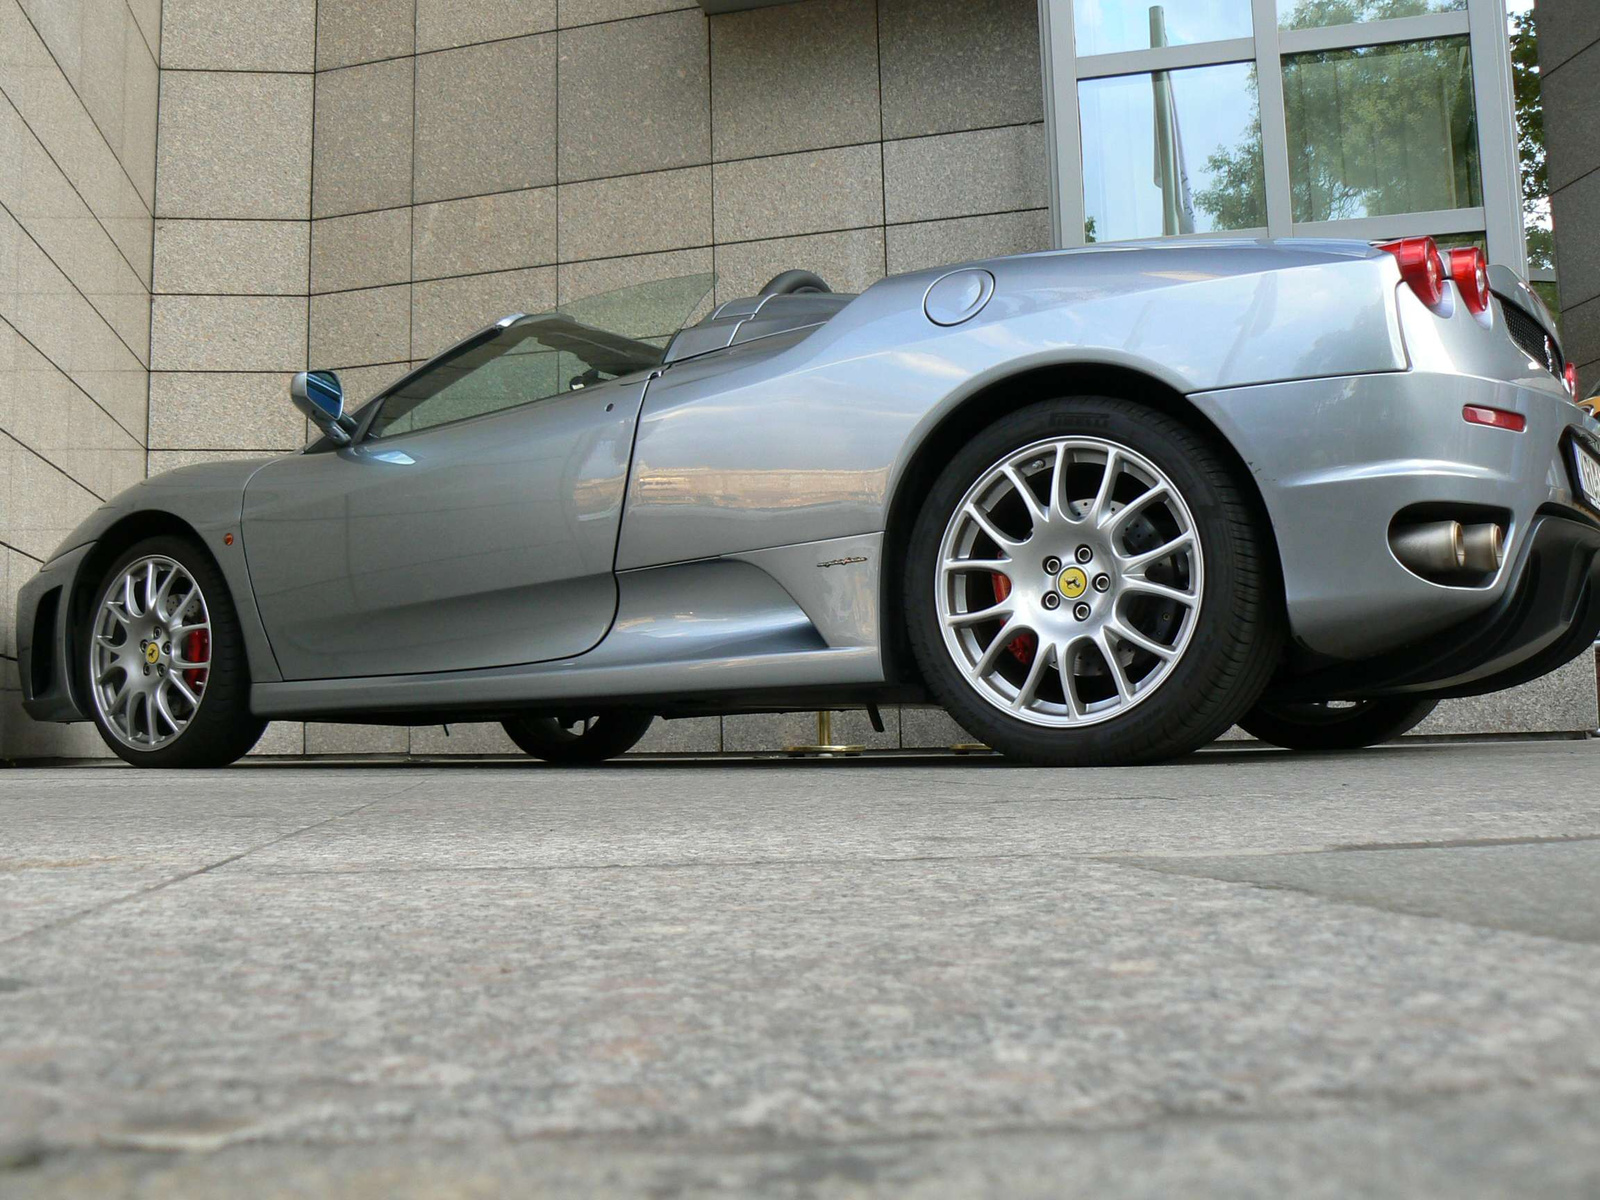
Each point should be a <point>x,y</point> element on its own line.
<point>1073,583</point>
<point>151,653</point>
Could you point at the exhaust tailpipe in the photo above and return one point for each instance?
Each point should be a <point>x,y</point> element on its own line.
<point>1484,546</point>
<point>1436,548</point>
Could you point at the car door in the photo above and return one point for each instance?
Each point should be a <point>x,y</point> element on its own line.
<point>473,523</point>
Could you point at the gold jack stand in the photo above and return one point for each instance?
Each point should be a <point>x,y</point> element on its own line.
<point>824,744</point>
<point>971,748</point>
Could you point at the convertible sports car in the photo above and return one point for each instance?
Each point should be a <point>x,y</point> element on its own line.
<point>1100,504</point>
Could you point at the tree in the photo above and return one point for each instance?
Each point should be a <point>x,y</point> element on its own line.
<point>1530,139</point>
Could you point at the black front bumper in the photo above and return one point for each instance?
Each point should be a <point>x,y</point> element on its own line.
<point>1549,616</point>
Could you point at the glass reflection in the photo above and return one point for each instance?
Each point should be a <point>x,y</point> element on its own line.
<point>1315,14</point>
<point>1172,152</point>
<point>1382,129</point>
<point>1108,26</point>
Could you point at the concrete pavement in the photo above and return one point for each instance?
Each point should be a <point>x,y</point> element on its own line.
<point>1244,974</point>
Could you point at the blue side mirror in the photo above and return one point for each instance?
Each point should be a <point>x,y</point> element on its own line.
<point>320,397</point>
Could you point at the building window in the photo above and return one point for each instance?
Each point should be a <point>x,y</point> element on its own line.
<point>1172,152</point>
<point>1381,130</point>
<point>1317,14</point>
<point>1366,119</point>
<point>1109,26</point>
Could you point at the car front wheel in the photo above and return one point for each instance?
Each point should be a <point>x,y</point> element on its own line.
<point>164,660</point>
<point>1087,584</point>
<point>576,740</point>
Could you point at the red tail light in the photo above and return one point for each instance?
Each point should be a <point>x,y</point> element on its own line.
<point>1569,376</point>
<point>1494,418</point>
<point>1421,266</point>
<point>1470,269</point>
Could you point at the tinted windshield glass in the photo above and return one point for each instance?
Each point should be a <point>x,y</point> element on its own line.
<point>600,338</point>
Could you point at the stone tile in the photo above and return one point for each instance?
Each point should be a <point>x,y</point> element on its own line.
<point>100,70</point>
<point>43,306</point>
<point>442,24</point>
<point>42,200</point>
<point>228,333</point>
<point>584,287</point>
<point>358,31</point>
<point>1565,28</point>
<point>654,115</point>
<point>959,174</point>
<point>25,738</point>
<point>485,233</point>
<point>141,92</point>
<point>446,310</point>
<point>930,729</point>
<point>281,737</point>
<point>239,35</point>
<point>256,258</point>
<point>1574,208</point>
<point>357,739</point>
<point>486,118</point>
<point>41,94</point>
<point>148,15</point>
<point>799,193</point>
<point>196,410</point>
<point>953,64</point>
<point>361,250</point>
<point>850,261</point>
<point>938,243</point>
<point>1572,131</point>
<point>637,214</point>
<point>364,138</point>
<point>39,503</point>
<point>234,145</point>
<point>688,735</point>
<point>589,12</point>
<point>355,328</point>
<point>462,739</point>
<point>777,87</point>
<point>766,732</point>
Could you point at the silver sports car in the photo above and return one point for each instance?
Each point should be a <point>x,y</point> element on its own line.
<point>1100,504</point>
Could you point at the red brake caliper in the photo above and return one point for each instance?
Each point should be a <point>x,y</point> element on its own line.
<point>1024,644</point>
<point>196,649</point>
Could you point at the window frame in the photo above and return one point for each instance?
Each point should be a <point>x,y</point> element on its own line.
<point>1482,22</point>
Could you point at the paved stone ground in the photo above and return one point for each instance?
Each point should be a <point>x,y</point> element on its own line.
<point>1248,974</point>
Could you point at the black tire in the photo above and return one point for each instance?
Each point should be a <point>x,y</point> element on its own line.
<point>221,729</point>
<point>1237,635</point>
<point>1314,726</point>
<point>585,740</point>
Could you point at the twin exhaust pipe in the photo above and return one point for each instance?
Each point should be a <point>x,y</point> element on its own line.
<point>1449,549</point>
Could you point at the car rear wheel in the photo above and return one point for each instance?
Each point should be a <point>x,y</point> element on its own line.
<point>1333,725</point>
<point>1087,584</point>
<point>164,660</point>
<point>575,740</point>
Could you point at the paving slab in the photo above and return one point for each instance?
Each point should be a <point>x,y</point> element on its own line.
<point>1250,973</point>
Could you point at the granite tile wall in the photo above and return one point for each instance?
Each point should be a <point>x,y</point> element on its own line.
<point>78,95</point>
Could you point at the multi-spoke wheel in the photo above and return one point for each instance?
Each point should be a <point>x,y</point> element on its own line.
<point>1088,584</point>
<point>579,738</point>
<point>1335,725</point>
<point>165,668</point>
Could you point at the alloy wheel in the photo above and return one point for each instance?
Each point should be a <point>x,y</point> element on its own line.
<point>151,652</point>
<point>1069,581</point>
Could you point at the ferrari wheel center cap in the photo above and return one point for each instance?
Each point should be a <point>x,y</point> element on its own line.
<point>152,653</point>
<point>1072,583</point>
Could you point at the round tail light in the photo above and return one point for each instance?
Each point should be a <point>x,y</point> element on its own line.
<point>1470,269</point>
<point>1421,266</point>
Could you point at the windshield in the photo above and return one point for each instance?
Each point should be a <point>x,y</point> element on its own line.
<point>531,358</point>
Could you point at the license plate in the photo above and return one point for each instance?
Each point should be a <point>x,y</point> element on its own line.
<point>1588,474</point>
